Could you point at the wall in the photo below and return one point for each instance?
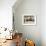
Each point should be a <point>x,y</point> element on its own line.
<point>30,32</point>
<point>6,13</point>
<point>43,22</point>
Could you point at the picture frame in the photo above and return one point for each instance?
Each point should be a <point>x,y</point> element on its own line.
<point>28,19</point>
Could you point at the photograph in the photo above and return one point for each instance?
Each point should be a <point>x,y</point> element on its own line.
<point>29,20</point>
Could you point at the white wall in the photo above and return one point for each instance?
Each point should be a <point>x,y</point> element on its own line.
<point>6,13</point>
<point>29,7</point>
<point>43,22</point>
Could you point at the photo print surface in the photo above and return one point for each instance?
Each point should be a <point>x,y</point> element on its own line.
<point>29,20</point>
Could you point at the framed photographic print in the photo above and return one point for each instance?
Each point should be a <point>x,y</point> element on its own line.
<point>29,20</point>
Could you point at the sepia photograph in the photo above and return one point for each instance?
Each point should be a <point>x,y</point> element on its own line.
<point>29,20</point>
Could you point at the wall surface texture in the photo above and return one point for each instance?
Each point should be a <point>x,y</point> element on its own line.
<point>38,31</point>
<point>32,32</point>
<point>6,13</point>
<point>43,22</point>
